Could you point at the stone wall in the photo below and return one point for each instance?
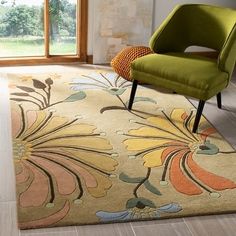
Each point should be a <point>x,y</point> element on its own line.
<point>120,23</point>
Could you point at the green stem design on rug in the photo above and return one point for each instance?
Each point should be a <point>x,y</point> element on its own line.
<point>139,207</point>
<point>43,90</point>
<point>141,181</point>
<point>115,86</point>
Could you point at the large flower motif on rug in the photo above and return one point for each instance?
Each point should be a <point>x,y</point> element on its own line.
<point>58,160</point>
<point>168,143</point>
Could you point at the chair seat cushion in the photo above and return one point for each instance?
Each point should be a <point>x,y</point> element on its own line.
<point>184,73</point>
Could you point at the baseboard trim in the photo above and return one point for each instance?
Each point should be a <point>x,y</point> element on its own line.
<point>89,59</point>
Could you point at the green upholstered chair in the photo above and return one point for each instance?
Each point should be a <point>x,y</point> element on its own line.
<point>189,74</point>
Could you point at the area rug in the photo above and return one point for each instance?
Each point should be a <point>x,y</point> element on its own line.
<point>82,158</point>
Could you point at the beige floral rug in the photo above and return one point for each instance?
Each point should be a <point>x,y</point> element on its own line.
<point>82,158</point>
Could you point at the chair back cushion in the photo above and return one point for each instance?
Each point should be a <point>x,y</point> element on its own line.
<point>199,25</point>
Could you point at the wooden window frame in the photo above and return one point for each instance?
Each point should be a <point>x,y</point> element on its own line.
<point>81,41</point>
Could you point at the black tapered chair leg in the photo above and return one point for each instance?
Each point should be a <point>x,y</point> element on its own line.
<point>198,115</point>
<point>219,100</point>
<point>132,94</point>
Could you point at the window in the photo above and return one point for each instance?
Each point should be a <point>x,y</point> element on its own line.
<point>42,30</point>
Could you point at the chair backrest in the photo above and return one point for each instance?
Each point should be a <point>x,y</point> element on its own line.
<point>199,25</point>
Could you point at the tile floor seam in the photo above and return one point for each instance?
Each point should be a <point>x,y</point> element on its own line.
<point>139,226</point>
<point>192,233</point>
<point>132,229</point>
<point>77,231</point>
<point>232,83</point>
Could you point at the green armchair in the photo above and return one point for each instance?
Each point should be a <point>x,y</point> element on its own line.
<point>190,74</point>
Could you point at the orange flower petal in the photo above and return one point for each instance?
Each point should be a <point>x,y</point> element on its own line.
<point>31,198</point>
<point>184,116</point>
<point>213,181</point>
<point>23,176</point>
<point>89,179</point>
<point>207,132</point>
<point>65,181</point>
<point>170,149</point>
<point>179,180</point>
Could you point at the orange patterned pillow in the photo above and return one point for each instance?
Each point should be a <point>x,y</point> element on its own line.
<point>122,61</point>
